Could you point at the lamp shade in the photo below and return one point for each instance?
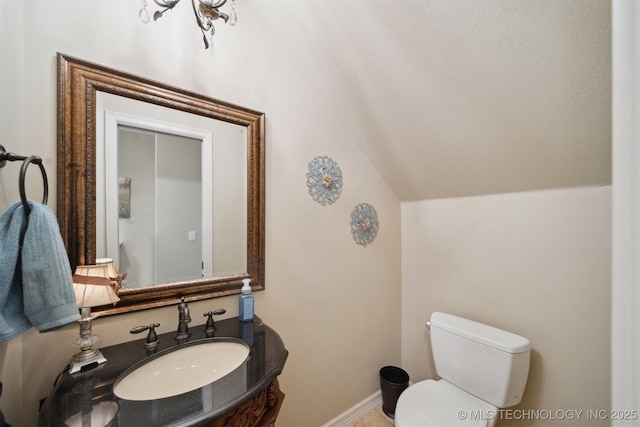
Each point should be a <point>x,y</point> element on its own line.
<point>96,285</point>
<point>102,268</point>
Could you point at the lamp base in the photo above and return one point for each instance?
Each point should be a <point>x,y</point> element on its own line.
<point>81,363</point>
<point>87,358</point>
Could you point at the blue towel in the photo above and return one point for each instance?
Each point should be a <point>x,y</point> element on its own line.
<point>36,285</point>
<point>13,321</point>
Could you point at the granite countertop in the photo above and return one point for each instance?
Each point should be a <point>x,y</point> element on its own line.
<point>90,393</point>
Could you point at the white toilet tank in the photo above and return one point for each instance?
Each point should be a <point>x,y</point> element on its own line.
<point>484,361</point>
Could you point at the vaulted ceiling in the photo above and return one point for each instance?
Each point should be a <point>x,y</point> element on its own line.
<point>454,98</point>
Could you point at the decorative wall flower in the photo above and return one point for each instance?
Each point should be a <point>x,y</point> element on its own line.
<point>364,224</point>
<point>324,180</point>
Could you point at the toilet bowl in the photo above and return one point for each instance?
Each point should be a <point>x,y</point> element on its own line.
<point>440,404</point>
<point>482,369</point>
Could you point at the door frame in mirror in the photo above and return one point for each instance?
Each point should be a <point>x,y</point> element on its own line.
<point>78,83</point>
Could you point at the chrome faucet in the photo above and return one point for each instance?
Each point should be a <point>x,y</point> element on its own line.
<point>184,318</point>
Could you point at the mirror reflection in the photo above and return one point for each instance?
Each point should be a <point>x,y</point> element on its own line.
<point>159,225</point>
<point>172,201</point>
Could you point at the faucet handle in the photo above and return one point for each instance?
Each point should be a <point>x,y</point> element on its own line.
<point>183,311</point>
<point>152,337</point>
<point>211,326</point>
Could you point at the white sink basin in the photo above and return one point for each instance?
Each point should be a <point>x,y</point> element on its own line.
<point>179,371</point>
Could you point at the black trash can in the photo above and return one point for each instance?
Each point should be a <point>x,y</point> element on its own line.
<point>393,381</point>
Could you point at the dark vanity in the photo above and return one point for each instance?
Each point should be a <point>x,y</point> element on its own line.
<point>248,396</point>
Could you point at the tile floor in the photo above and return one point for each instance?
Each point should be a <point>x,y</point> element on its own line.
<point>374,418</point>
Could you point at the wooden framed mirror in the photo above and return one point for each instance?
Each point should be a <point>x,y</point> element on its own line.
<point>79,85</point>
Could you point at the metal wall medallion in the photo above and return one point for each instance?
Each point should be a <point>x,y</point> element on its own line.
<point>364,224</point>
<point>324,180</point>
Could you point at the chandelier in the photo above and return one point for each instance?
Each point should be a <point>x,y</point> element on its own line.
<point>206,11</point>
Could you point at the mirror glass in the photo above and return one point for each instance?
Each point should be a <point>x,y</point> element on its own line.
<point>168,183</point>
<point>171,182</point>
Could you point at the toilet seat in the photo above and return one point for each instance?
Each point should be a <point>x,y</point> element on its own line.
<point>438,403</point>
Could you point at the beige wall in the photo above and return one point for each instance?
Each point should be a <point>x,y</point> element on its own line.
<point>335,304</point>
<point>537,264</point>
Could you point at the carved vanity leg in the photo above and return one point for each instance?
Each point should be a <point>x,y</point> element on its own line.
<point>261,411</point>
<point>275,397</point>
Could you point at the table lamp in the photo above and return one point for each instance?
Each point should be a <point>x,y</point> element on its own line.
<point>94,285</point>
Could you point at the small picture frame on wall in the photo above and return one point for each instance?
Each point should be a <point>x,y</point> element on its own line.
<point>124,197</point>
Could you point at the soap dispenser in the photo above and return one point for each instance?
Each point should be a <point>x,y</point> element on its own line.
<point>246,301</point>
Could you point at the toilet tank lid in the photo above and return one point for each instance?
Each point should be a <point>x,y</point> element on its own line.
<point>480,333</point>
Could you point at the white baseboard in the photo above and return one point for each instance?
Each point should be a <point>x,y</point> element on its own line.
<point>350,416</point>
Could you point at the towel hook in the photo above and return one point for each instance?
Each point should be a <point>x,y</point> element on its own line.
<point>23,172</point>
<point>5,156</point>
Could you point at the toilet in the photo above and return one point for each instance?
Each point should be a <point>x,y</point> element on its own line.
<point>482,369</point>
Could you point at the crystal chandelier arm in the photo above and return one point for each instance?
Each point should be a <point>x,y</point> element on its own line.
<point>201,24</point>
<point>209,12</point>
<point>215,5</point>
<point>205,11</point>
<point>168,4</point>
